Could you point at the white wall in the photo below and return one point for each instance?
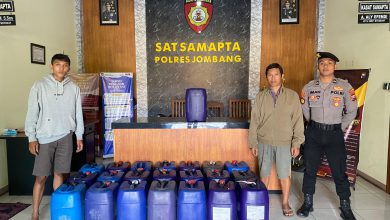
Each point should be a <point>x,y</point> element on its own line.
<point>48,23</point>
<point>364,46</point>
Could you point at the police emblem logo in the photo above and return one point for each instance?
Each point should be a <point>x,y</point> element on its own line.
<point>336,101</point>
<point>198,14</point>
<point>303,94</point>
<point>338,88</point>
<point>352,95</point>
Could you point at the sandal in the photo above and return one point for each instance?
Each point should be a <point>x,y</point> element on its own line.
<point>288,212</point>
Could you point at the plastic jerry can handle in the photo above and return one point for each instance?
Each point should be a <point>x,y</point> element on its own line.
<point>163,184</point>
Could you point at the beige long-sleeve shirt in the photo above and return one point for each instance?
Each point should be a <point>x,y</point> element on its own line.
<point>276,124</point>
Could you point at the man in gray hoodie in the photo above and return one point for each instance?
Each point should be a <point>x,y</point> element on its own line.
<point>54,113</point>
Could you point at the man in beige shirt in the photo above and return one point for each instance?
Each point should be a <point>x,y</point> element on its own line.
<point>276,131</point>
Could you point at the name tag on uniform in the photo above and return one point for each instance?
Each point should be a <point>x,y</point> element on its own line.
<point>337,92</point>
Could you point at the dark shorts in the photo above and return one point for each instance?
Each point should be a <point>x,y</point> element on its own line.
<point>55,156</point>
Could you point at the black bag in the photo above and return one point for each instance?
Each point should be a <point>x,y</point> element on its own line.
<point>297,163</point>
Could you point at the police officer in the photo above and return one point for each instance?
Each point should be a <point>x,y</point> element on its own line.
<point>329,105</point>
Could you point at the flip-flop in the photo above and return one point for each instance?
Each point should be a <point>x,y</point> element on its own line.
<point>288,212</point>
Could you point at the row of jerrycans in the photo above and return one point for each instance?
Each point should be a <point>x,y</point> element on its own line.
<point>107,198</point>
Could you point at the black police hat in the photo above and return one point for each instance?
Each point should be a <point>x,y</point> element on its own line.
<point>321,55</point>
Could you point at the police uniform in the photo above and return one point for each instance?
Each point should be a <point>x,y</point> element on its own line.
<point>329,109</point>
<point>329,112</point>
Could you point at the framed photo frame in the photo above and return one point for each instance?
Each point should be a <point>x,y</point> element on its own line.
<point>38,54</point>
<point>288,11</point>
<point>109,12</point>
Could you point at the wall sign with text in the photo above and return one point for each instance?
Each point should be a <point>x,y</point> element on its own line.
<point>373,18</point>
<point>196,44</point>
<point>6,20</point>
<point>7,6</point>
<point>374,7</point>
<point>371,12</point>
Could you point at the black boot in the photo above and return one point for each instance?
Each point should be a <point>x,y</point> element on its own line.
<point>346,211</point>
<point>307,206</point>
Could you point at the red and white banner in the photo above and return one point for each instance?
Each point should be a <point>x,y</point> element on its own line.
<point>89,88</point>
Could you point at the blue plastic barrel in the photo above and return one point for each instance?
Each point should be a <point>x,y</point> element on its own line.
<point>131,201</point>
<point>162,200</point>
<point>87,178</point>
<point>145,165</point>
<point>191,175</point>
<point>196,105</point>
<point>111,176</point>
<point>166,165</point>
<point>254,201</point>
<point>139,174</point>
<point>216,175</point>
<point>118,166</point>
<point>221,202</point>
<point>164,175</point>
<point>189,165</point>
<point>100,201</point>
<point>67,202</point>
<point>234,165</point>
<point>212,165</point>
<point>244,175</point>
<point>92,168</point>
<point>191,202</point>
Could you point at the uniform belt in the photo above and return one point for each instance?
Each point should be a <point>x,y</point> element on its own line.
<point>325,127</point>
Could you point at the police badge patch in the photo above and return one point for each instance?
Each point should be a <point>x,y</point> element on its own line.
<point>303,96</point>
<point>336,101</point>
<point>352,95</point>
<point>198,14</point>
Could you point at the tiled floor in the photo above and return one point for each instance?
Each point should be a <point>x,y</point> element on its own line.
<point>368,202</point>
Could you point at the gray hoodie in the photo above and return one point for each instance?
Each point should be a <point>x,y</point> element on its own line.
<point>54,110</point>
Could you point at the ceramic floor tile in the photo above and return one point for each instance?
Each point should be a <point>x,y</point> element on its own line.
<point>44,212</point>
<point>5,198</point>
<point>373,214</point>
<point>23,215</point>
<point>370,187</point>
<point>276,214</point>
<point>368,201</point>
<point>276,201</point>
<point>383,196</point>
<point>22,199</point>
<point>45,200</point>
<point>326,214</point>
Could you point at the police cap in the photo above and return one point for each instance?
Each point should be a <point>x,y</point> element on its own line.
<point>321,55</point>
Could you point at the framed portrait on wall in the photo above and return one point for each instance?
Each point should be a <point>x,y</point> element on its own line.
<point>38,54</point>
<point>289,11</point>
<point>109,12</point>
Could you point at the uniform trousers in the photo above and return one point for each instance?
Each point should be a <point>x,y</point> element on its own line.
<point>331,142</point>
